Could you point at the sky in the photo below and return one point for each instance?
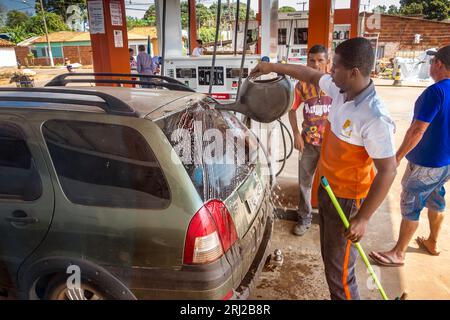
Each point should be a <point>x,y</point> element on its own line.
<point>26,6</point>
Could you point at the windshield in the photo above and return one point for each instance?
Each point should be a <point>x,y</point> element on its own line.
<point>216,149</point>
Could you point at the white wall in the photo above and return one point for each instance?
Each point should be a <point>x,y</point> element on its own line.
<point>288,24</point>
<point>286,20</point>
<point>7,57</point>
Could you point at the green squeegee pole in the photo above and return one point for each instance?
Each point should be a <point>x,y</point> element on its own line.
<point>344,219</point>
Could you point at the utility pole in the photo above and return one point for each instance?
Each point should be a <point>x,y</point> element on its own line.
<point>303,3</point>
<point>230,18</point>
<point>49,48</point>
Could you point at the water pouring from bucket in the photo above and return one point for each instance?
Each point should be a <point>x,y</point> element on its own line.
<point>263,100</point>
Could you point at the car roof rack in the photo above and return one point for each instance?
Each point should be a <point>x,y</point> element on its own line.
<point>110,104</point>
<point>170,86</point>
<point>165,82</point>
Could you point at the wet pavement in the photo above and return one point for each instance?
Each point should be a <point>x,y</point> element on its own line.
<point>301,275</point>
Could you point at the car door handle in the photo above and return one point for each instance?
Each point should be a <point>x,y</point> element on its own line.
<point>26,220</point>
<point>21,217</point>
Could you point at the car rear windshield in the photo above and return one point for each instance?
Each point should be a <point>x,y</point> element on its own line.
<point>216,149</point>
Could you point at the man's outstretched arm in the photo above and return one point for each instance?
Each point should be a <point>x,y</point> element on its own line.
<point>298,72</point>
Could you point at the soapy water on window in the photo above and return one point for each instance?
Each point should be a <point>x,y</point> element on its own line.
<point>216,149</point>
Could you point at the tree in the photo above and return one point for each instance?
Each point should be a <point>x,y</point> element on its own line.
<point>434,9</point>
<point>412,9</point>
<point>136,22</point>
<point>204,15</point>
<point>207,34</point>
<point>184,14</point>
<point>17,33</point>
<point>380,9</point>
<point>437,9</point>
<point>2,15</point>
<point>21,26</point>
<point>16,18</point>
<point>225,11</point>
<point>60,7</point>
<point>286,9</point>
<point>393,10</point>
<point>55,23</point>
<point>15,26</point>
<point>150,15</point>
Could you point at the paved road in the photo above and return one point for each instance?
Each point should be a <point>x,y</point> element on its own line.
<point>44,75</point>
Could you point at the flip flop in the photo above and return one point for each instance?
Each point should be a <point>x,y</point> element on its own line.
<point>420,242</point>
<point>382,263</point>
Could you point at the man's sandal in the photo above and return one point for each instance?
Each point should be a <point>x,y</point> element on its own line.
<point>375,256</point>
<point>421,242</point>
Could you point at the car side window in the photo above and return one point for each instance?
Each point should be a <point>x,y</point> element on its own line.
<point>105,165</point>
<point>19,177</point>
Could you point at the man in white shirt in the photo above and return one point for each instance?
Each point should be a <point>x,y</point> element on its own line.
<point>359,137</point>
<point>198,50</point>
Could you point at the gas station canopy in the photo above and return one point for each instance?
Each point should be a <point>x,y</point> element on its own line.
<point>109,38</point>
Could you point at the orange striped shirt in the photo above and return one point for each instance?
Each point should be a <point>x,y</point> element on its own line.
<point>315,111</point>
<point>357,131</point>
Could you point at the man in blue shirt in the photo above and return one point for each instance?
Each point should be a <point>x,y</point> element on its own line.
<point>427,148</point>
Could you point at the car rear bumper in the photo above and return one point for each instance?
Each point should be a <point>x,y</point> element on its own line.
<point>203,282</point>
<point>236,271</point>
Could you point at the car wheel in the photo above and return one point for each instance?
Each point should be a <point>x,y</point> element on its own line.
<point>57,289</point>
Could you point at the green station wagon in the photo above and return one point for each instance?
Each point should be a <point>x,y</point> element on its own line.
<point>93,187</point>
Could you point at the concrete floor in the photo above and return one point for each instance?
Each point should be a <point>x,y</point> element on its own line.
<point>301,275</point>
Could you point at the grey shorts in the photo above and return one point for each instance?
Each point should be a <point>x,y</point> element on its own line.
<point>423,187</point>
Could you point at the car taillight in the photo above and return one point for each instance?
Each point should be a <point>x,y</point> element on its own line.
<point>224,223</point>
<point>228,296</point>
<point>210,234</point>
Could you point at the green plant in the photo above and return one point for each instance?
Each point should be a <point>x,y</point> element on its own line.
<point>286,9</point>
<point>17,33</point>
<point>33,26</point>
<point>207,34</point>
<point>60,7</point>
<point>16,18</point>
<point>133,22</point>
<point>434,9</point>
<point>54,23</point>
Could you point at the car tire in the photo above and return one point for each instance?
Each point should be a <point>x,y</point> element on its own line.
<point>57,290</point>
